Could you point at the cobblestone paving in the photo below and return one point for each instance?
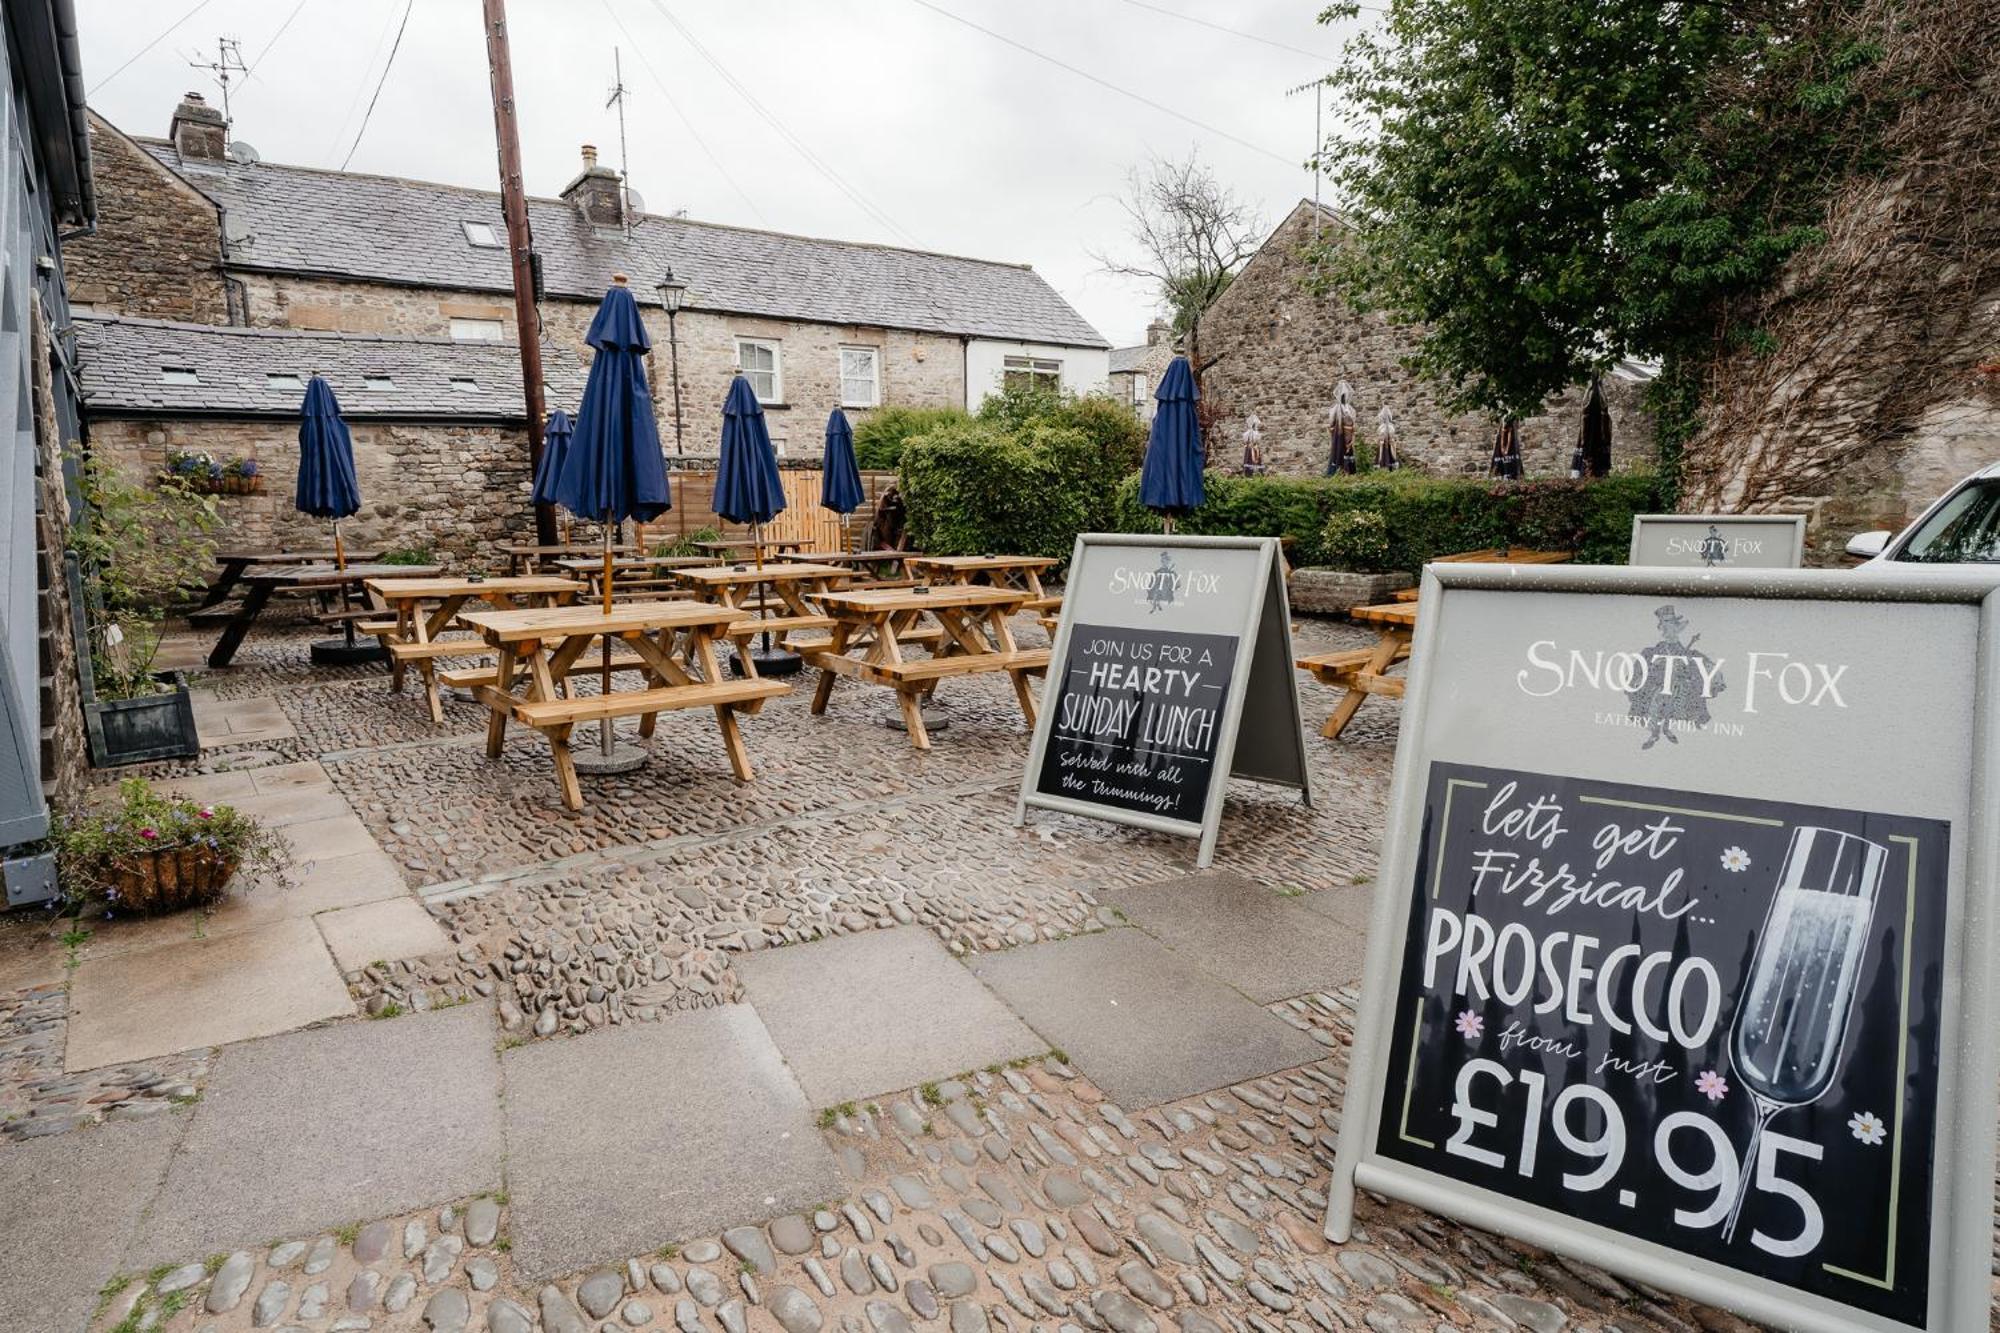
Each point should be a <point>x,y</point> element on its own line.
<point>38,1098</point>
<point>1005,1199</point>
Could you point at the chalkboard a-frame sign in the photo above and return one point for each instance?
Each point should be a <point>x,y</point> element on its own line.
<point>1171,672</point>
<point>1683,950</point>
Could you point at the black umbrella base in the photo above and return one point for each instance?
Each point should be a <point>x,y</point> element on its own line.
<point>592,762</point>
<point>770,662</point>
<point>347,652</point>
<point>935,718</point>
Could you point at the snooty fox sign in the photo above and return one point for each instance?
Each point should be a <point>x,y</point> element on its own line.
<point>1683,942</point>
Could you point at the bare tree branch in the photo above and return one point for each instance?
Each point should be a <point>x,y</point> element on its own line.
<point>1190,233</point>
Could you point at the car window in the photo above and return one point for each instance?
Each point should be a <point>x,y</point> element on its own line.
<point>1964,530</point>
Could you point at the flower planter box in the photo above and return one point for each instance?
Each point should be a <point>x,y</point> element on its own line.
<point>132,731</point>
<point>252,485</point>
<point>169,881</point>
<point>1333,592</point>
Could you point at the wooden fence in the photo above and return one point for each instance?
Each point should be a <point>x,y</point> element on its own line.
<point>803,519</point>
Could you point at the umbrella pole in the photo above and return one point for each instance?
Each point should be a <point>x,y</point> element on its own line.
<point>604,726</point>
<point>757,554</point>
<point>340,563</point>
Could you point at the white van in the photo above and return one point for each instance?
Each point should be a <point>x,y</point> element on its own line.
<point>1962,528</point>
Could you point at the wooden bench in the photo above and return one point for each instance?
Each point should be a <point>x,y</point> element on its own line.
<point>471,678</point>
<point>634,703</point>
<point>778,625</point>
<point>1033,660</point>
<point>1336,668</point>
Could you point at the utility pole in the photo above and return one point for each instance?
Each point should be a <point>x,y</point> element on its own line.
<point>520,245</point>
<point>228,60</point>
<point>617,99</point>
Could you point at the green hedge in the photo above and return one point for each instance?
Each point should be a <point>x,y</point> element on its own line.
<point>1024,478</point>
<point>881,435</point>
<point>1421,517</point>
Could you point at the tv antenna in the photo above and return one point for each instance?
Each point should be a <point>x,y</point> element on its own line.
<point>1317,88</point>
<point>228,60</point>
<point>619,92</point>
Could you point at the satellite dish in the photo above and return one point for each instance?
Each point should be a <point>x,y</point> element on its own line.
<point>635,200</point>
<point>241,151</point>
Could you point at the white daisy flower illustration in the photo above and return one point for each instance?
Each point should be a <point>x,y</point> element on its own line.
<point>1470,1024</point>
<point>1867,1127</point>
<point>1735,860</point>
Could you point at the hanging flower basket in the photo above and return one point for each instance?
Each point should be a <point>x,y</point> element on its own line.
<point>171,880</point>
<point>145,853</point>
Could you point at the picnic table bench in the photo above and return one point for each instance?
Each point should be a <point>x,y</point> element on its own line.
<point>632,575</point>
<point>421,610</point>
<point>1492,555</point>
<point>1023,572</point>
<point>540,648</point>
<point>723,548</point>
<point>263,581</point>
<point>233,565</point>
<point>974,637</point>
<point>783,586</point>
<point>528,558</point>
<point>887,568</point>
<point>1364,671</point>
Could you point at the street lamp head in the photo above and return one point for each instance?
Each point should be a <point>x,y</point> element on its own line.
<point>672,292</point>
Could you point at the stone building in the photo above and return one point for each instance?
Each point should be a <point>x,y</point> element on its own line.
<point>1136,371</point>
<point>45,198</point>
<point>193,233</point>
<point>1269,345</point>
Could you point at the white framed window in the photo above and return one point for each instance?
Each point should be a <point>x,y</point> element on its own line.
<point>378,382</point>
<point>483,235</point>
<point>475,330</point>
<point>1031,372</point>
<point>761,363</point>
<point>464,384</point>
<point>179,375</point>
<point>283,379</point>
<point>860,376</point>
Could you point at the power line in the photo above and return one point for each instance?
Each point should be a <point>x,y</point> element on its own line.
<point>130,60</point>
<point>387,65</point>
<point>693,133</point>
<point>259,58</point>
<point>347,116</point>
<point>1105,83</point>
<point>798,145</point>
<point>1233,32</point>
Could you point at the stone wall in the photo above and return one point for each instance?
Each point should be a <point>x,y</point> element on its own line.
<point>1880,386</point>
<point>1274,348</point>
<point>157,250</point>
<point>65,751</point>
<point>457,490</point>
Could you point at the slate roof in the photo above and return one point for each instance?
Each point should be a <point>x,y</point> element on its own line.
<point>387,229</point>
<point>121,360</point>
<point>1125,360</point>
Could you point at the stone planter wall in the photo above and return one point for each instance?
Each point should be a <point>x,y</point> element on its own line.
<point>1333,592</point>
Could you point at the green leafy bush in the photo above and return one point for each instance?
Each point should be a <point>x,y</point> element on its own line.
<point>1032,470</point>
<point>1421,517</point>
<point>1356,539</point>
<point>879,439</point>
<point>148,852</point>
<point>686,545</point>
<point>407,555</point>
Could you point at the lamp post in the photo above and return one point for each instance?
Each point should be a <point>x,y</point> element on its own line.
<point>672,292</point>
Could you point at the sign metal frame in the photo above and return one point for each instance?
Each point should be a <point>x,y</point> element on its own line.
<point>1796,522</point>
<point>1968,1082</point>
<point>1266,633</point>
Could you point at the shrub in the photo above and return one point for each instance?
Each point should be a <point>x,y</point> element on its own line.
<point>879,439</point>
<point>972,489</point>
<point>1421,517</point>
<point>406,555</point>
<point>1356,539</point>
<point>685,545</point>
<point>1014,406</point>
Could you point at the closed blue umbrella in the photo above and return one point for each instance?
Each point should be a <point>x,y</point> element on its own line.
<point>840,476</point>
<point>1171,483</point>
<point>747,486</point>
<point>555,448</point>
<point>327,488</point>
<point>613,469</point>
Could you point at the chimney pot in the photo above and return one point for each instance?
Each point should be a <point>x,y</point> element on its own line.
<point>589,156</point>
<point>198,131</point>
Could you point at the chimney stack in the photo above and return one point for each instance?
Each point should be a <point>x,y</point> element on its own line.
<point>1157,332</point>
<point>198,131</point>
<point>595,192</point>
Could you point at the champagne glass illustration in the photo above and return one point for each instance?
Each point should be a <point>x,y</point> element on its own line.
<point>1792,1022</point>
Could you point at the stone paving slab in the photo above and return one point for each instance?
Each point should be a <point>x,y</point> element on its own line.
<point>877,1012</point>
<point>1144,1023</point>
<point>380,932</point>
<point>315,1129</point>
<point>202,992</point>
<point>1352,906</point>
<point>625,1139</point>
<point>69,1207</point>
<point>1263,943</point>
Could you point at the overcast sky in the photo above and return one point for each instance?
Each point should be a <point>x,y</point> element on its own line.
<point>952,139</point>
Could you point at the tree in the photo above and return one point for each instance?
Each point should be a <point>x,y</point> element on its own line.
<point>1547,187</point>
<point>1192,234</point>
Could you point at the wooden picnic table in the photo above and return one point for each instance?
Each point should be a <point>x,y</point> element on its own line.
<point>975,638</point>
<point>729,547</point>
<point>673,643</point>
<point>1493,555</point>
<point>631,573</point>
<point>422,609</point>
<point>1022,572</point>
<point>264,580</point>
<point>782,585</point>
<point>867,568</point>
<point>534,557</point>
<point>234,564</point>
<point>1365,671</point>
